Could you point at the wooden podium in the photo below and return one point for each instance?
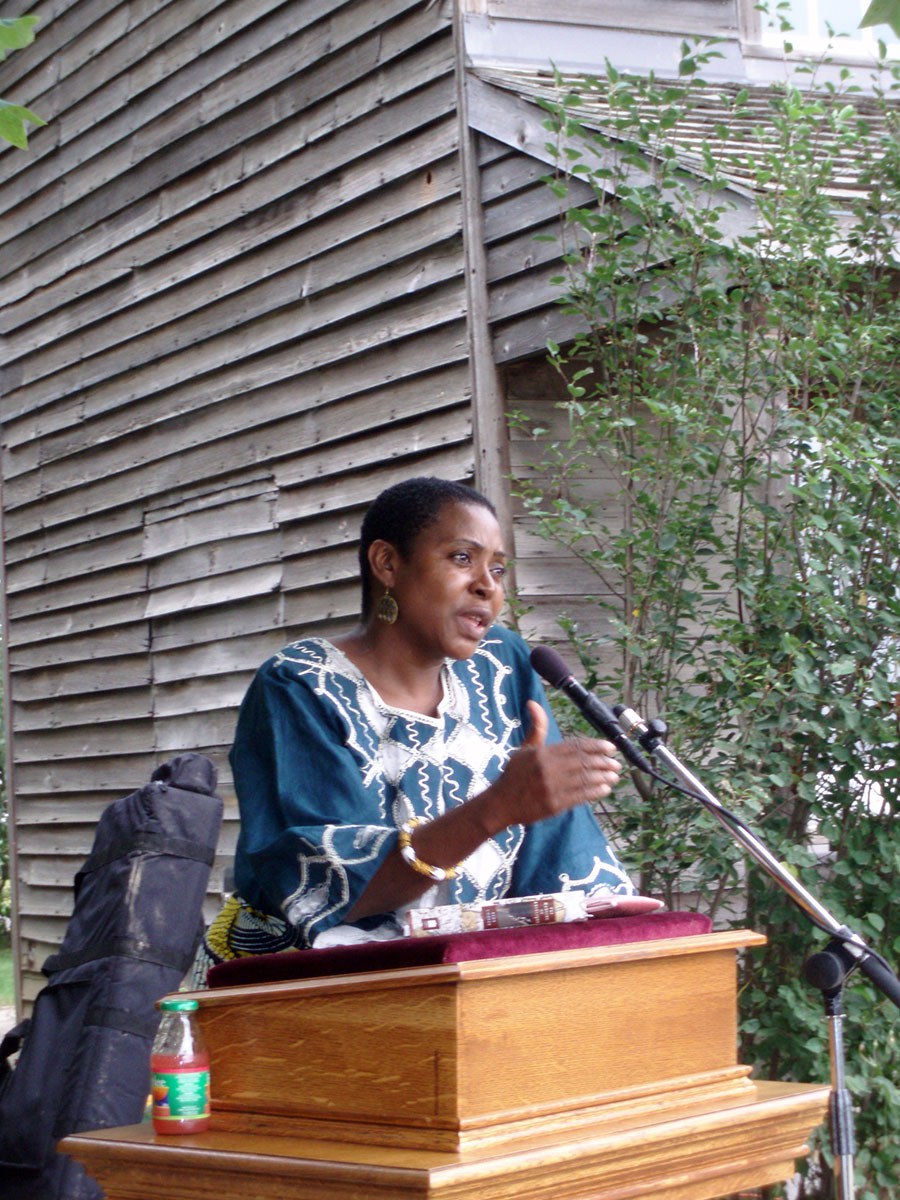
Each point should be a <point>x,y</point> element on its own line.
<point>602,1073</point>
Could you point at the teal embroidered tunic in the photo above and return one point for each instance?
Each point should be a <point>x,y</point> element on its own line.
<point>326,772</point>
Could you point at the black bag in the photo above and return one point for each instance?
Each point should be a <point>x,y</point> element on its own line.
<point>84,1059</point>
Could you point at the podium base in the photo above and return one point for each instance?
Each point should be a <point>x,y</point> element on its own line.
<point>705,1155</point>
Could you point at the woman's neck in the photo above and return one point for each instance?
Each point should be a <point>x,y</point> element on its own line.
<point>392,670</point>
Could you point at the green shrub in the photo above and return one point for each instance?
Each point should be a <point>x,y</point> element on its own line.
<point>740,383</point>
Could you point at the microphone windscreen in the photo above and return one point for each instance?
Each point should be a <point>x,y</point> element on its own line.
<point>550,666</point>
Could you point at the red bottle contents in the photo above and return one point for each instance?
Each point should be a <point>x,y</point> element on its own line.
<point>180,1091</point>
<point>179,1072</point>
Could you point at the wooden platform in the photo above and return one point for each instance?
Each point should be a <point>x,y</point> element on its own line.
<point>606,1073</point>
<point>710,1154</point>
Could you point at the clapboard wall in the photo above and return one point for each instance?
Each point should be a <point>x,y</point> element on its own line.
<point>552,583</point>
<point>232,296</point>
<point>256,267</point>
<point>524,231</point>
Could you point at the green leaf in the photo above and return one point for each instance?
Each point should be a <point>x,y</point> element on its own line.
<point>12,123</point>
<point>844,666</point>
<point>18,32</point>
<point>882,12</point>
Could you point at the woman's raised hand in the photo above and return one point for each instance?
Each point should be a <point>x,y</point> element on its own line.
<point>540,781</point>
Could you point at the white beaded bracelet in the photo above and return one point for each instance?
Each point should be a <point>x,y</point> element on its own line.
<point>409,856</point>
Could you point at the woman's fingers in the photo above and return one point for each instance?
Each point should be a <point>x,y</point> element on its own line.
<point>537,733</point>
<point>589,769</point>
<point>541,781</point>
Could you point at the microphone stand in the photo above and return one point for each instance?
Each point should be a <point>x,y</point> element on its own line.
<point>826,970</point>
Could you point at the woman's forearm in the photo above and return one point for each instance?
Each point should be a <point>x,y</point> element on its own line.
<point>444,842</point>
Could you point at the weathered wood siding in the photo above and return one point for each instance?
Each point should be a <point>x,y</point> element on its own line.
<point>710,18</point>
<point>552,584</point>
<point>523,236</point>
<point>523,267</point>
<point>232,300</point>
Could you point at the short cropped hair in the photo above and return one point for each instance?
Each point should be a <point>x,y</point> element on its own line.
<point>400,513</point>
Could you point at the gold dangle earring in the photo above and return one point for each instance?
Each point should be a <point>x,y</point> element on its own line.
<point>386,610</point>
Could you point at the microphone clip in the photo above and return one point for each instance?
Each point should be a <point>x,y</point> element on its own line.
<point>657,734</point>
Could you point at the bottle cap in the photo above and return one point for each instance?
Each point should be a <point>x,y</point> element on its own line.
<point>175,1005</point>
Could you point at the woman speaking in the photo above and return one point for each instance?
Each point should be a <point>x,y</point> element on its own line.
<point>413,761</point>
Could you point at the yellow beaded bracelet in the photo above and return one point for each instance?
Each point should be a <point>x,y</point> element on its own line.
<point>409,856</point>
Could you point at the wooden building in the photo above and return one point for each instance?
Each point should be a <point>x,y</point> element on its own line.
<point>264,260</point>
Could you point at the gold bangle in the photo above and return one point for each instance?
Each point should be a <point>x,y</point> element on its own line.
<point>409,856</point>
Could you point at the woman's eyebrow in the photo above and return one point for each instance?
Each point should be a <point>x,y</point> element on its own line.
<point>475,545</point>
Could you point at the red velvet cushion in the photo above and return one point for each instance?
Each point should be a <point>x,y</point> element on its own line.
<point>455,947</point>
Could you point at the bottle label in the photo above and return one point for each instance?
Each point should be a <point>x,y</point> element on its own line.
<point>180,1095</point>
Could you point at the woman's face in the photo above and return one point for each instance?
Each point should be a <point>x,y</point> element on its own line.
<point>449,589</point>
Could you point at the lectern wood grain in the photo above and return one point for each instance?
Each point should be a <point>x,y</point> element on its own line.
<point>709,1155</point>
<point>444,1057</point>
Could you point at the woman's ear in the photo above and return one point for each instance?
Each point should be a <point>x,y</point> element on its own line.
<point>383,562</point>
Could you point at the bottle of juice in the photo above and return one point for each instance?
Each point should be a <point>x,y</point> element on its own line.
<point>179,1071</point>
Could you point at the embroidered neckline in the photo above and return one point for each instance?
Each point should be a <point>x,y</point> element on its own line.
<point>448,705</point>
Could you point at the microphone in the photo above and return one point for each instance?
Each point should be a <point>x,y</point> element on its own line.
<point>550,666</point>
